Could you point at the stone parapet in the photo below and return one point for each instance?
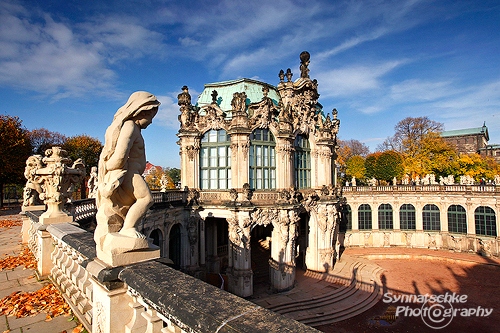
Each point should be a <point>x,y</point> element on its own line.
<point>145,297</point>
<point>188,304</point>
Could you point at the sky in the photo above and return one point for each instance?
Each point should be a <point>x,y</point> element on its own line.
<point>67,66</point>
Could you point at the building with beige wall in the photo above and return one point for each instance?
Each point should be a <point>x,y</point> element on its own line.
<point>258,162</point>
<point>473,140</point>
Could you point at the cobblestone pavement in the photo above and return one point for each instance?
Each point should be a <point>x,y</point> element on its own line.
<point>24,280</point>
<point>433,272</point>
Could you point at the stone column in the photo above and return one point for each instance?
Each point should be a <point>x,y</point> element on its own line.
<point>284,235</point>
<point>45,249</point>
<point>111,311</point>
<point>202,242</point>
<point>240,145</point>
<point>240,273</point>
<point>284,163</point>
<point>190,158</point>
<point>471,220</point>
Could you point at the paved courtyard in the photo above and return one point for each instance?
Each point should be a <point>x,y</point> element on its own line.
<point>429,272</point>
<point>24,280</point>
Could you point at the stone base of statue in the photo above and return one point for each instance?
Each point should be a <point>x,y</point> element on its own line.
<point>123,250</point>
<point>32,208</point>
<point>51,217</point>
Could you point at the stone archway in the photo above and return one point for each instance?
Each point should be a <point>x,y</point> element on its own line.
<point>175,246</point>
<point>260,245</point>
<point>157,237</point>
<point>302,241</point>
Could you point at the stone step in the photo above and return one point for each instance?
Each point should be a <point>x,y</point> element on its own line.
<point>347,312</point>
<point>332,296</point>
<point>360,290</point>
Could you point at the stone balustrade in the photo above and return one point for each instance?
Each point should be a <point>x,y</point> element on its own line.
<point>147,297</point>
<point>423,188</point>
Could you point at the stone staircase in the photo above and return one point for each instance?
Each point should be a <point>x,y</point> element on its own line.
<point>354,288</point>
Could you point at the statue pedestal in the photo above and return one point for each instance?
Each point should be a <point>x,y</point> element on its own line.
<point>32,208</point>
<point>54,217</point>
<point>119,250</point>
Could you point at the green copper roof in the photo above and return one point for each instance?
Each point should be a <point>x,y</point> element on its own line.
<point>226,89</point>
<point>467,131</point>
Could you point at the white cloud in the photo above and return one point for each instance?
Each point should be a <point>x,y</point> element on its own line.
<point>46,57</point>
<point>353,80</point>
<point>168,112</point>
<point>420,90</point>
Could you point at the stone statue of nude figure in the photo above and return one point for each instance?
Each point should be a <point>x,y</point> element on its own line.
<point>123,196</point>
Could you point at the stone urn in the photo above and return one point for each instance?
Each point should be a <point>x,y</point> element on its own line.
<point>57,178</point>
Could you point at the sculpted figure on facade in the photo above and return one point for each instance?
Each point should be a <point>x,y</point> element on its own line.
<point>304,62</point>
<point>238,103</point>
<point>33,190</point>
<point>92,182</point>
<point>193,196</point>
<point>184,101</point>
<point>123,197</point>
<point>163,183</point>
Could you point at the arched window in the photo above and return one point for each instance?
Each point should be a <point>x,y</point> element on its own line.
<point>346,218</point>
<point>385,217</point>
<point>407,217</point>
<point>430,218</point>
<point>215,161</point>
<point>262,157</point>
<point>302,162</point>
<point>457,219</point>
<point>485,220</point>
<point>365,217</point>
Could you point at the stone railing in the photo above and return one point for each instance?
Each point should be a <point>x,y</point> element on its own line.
<point>436,240</point>
<point>147,297</point>
<point>72,249</point>
<point>423,188</point>
<point>170,196</point>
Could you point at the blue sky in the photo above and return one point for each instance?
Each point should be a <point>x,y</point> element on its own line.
<point>69,65</point>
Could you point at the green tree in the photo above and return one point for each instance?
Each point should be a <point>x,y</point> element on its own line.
<point>15,148</point>
<point>43,139</point>
<point>174,174</point>
<point>88,149</point>
<point>389,165</point>
<point>356,167</point>
<point>371,165</point>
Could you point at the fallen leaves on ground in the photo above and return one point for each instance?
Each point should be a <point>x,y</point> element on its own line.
<point>10,223</point>
<point>25,258</point>
<point>78,329</point>
<point>24,304</point>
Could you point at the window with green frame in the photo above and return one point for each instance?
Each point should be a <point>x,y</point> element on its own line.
<point>365,217</point>
<point>302,162</point>
<point>485,221</point>
<point>215,161</point>
<point>262,160</point>
<point>385,220</point>
<point>407,217</point>
<point>431,218</point>
<point>457,219</point>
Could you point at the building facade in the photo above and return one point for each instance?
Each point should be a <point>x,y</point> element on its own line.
<point>258,162</point>
<point>453,217</point>
<point>473,140</point>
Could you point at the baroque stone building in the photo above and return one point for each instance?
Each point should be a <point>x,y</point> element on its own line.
<point>259,164</point>
<point>473,140</point>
